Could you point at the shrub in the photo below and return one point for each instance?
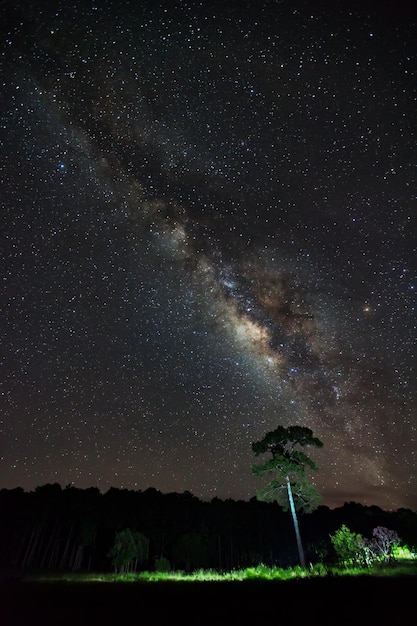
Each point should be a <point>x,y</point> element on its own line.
<point>349,547</point>
<point>403,553</point>
<point>162,564</point>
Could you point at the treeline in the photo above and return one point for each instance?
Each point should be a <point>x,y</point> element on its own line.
<point>75,529</point>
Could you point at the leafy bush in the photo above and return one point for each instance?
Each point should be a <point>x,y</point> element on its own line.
<point>348,547</point>
<point>162,565</point>
<point>129,549</point>
<point>380,547</point>
<point>403,553</point>
<point>353,550</point>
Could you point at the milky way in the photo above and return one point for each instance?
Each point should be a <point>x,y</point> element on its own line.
<point>209,229</point>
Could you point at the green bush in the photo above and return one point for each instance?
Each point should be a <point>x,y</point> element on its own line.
<point>162,565</point>
<point>349,547</point>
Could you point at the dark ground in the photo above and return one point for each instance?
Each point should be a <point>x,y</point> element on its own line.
<point>354,601</point>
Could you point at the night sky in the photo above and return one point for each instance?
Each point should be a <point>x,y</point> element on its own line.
<point>208,229</point>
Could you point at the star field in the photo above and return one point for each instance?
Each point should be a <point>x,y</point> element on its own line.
<point>208,229</point>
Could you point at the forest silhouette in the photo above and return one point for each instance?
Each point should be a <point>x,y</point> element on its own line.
<point>71,529</point>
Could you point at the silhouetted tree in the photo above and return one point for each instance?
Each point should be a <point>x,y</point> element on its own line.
<point>288,465</point>
<point>189,550</point>
<point>382,544</point>
<point>72,529</point>
<point>128,550</point>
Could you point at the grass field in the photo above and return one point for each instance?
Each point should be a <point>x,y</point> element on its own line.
<point>386,598</point>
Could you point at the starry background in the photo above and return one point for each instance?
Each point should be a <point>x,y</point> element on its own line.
<point>208,229</point>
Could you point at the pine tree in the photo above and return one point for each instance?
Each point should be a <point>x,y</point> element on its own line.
<point>288,465</point>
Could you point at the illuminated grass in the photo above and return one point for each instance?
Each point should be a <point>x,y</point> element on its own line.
<point>260,572</point>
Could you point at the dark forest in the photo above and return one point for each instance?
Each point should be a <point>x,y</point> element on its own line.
<point>71,529</point>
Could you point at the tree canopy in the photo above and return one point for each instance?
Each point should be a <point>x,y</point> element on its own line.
<point>288,464</point>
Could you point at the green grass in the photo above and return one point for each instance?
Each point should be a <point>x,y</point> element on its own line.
<point>207,597</point>
<point>260,572</point>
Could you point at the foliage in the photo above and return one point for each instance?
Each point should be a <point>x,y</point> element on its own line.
<point>260,572</point>
<point>162,564</point>
<point>352,549</point>
<point>288,464</point>
<point>282,442</point>
<point>403,553</point>
<point>129,549</point>
<point>53,529</point>
<point>320,569</point>
<point>189,550</point>
<point>380,547</point>
<point>123,550</point>
<point>385,540</point>
<point>142,547</point>
<point>348,547</point>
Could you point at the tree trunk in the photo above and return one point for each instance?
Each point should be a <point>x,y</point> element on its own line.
<point>49,545</point>
<point>78,558</point>
<point>295,520</point>
<point>32,549</point>
<point>17,558</point>
<point>64,558</point>
<point>53,557</point>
